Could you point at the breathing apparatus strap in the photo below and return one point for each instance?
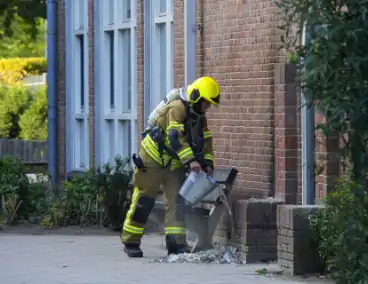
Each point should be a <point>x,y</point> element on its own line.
<point>158,137</point>
<point>193,125</point>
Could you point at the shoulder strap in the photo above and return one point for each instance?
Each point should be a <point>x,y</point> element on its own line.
<point>187,110</point>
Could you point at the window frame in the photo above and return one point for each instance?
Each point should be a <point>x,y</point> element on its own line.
<point>77,107</point>
<point>153,92</point>
<point>108,143</point>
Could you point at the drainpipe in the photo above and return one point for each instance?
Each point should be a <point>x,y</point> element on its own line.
<point>190,48</point>
<point>190,42</point>
<point>51,87</point>
<point>308,143</point>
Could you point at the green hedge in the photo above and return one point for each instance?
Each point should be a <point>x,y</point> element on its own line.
<point>23,112</point>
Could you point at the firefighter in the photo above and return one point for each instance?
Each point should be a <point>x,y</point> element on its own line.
<point>179,141</point>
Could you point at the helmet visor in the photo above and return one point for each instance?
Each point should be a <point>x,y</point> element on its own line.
<point>216,100</point>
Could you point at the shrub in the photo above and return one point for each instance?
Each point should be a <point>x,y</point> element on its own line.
<point>23,112</point>
<point>20,199</point>
<point>15,69</point>
<point>95,198</point>
<point>341,230</point>
<point>14,100</point>
<point>22,39</point>
<point>13,188</point>
<point>113,184</point>
<point>33,122</point>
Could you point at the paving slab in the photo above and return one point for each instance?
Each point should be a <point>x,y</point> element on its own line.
<point>99,259</point>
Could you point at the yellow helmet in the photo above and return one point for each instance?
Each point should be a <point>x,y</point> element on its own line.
<point>206,88</point>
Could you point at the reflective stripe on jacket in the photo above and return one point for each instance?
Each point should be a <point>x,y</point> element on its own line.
<point>172,118</point>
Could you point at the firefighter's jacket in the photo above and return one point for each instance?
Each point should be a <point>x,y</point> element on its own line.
<point>189,138</point>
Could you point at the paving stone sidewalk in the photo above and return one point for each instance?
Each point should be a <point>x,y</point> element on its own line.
<point>68,259</point>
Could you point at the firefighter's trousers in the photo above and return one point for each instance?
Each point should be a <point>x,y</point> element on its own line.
<point>146,186</point>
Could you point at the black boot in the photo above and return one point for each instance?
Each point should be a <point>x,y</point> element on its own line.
<point>174,248</point>
<point>133,250</point>
<point>178,249</point>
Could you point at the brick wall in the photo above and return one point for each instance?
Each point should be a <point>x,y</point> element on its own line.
<point>327,158</point>
<point>288,156</point>
<point>238,47</point>
<point>61,92</point>
<point>140,66</point>
<point>91,86</point>
<point>286,133</point>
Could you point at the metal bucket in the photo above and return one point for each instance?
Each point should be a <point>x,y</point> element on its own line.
<point>196,187</point>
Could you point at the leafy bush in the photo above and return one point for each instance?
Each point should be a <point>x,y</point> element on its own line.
<point>341,230</point>
<point>22,42</point>
<point>13,188</point>
<point>23,112</point>
<point>96,198</point>
<point>14,100</point>
<point>20,200</point>
<point>33,122</point>
<point>30,12</point>
<point>15,69</point>
<point>113,183</point>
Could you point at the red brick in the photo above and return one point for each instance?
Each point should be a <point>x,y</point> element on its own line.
<point>61,91</point>
<point>236,48</point>
<point>91,94</point>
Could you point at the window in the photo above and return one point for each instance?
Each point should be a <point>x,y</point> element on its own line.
<point>116,94</point>
<point>159,40</point>
<point>77,85</point>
